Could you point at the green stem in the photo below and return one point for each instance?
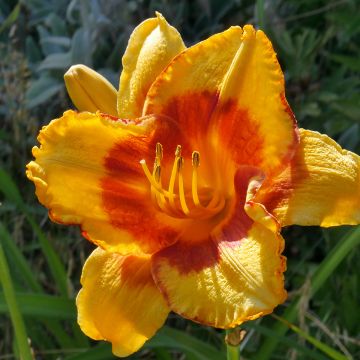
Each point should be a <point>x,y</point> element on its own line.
<point>232,352</point>
<point>15,315</point>
<point>260,14</point>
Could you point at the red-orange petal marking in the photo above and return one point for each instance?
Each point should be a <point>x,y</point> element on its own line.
<point>129,205</point>
<point>192,111</point>
<point>320,186</point>
<point>228,91</point>
<point>88,173</point>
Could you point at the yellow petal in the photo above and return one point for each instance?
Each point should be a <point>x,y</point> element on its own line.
<point>233,275</point>
<point>320,187</point>
<point>151,47</point>
<point>223,284</point>
<point>119,301</point>
<point>87,172</point>
<point>230,89</point>
<point>90,91</point>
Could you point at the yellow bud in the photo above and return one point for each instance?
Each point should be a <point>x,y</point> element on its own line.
<point>90,91</point>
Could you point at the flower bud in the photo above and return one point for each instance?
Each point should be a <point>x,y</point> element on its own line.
<point>90,91</point>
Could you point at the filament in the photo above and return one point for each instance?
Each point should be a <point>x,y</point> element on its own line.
<point>176,205</point>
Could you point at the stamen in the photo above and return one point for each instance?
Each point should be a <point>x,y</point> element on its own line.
<point>173,177</point>
<point>159,152</point>
<point>167,200</point>
<point>196,159</point>
<point>194,184</point>
<point>159,196</point>
<point>178,151</point>
<point>151,178</point>
<point>184,207</point>
<point>157,173</point>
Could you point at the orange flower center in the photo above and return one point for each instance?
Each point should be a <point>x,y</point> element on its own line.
<point>196,204</point>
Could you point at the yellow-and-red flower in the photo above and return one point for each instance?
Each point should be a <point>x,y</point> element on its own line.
<point>183,179</point>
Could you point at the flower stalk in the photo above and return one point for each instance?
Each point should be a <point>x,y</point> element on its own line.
<point>232,341</point>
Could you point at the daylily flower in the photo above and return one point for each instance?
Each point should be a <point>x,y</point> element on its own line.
<point>184,181</point>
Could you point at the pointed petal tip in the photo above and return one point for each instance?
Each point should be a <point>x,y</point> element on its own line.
<point>249,32</point>
<point>152,45</point>
<point>160,16</point>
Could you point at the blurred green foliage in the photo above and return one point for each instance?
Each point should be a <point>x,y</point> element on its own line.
<point>318,45</point>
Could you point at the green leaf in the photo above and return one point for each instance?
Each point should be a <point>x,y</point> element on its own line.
<point>19,260</point>
<point>41,90</point>
<point>57,40</point>
<point>168,338</point>
<point>350,138</point>
<point>260,13</point>
<point>175,339</point>
<point>56,24</point>
<point>349,107</point>
<point>10,300</point>
<point>57,61</point>
<point>33,52</point>
<point>40,305</point>
<point>11,18</point>
<point>345,245</point>
<point>290,343</point>
<point>81,49</point>
<point>56,267</point>
<point>20,264</point>
<point>333,354</point>
<point>351,62</point>
<point>99,352</point>
<point>11,192</point>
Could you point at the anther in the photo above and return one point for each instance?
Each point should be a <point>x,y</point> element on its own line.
<point>178,151</point>
<point>176,204</point>
<point>151,179</point>
<point>196,159</point>
<point>159,152</point>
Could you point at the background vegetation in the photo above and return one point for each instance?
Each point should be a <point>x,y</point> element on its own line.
<point>318,45</point>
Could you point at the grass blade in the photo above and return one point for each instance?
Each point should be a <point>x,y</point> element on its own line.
<point>56,267</point>
<point>15,315</point>
<point>345,245</point>
<point>348,242</point>
<point>290,343</point>
<point>11,18</point>
<point>260,14</point>
<point>19,259</point>
<point>99,352</point>
<point>171,338</point>
<point>10,190</point>
<point>333,354</point>
<point>12,193</point>
<point>39,305</point>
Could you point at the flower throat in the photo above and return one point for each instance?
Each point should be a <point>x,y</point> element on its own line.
<point>180,204</point>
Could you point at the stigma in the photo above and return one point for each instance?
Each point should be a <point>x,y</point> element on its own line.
<point>180,201</point>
